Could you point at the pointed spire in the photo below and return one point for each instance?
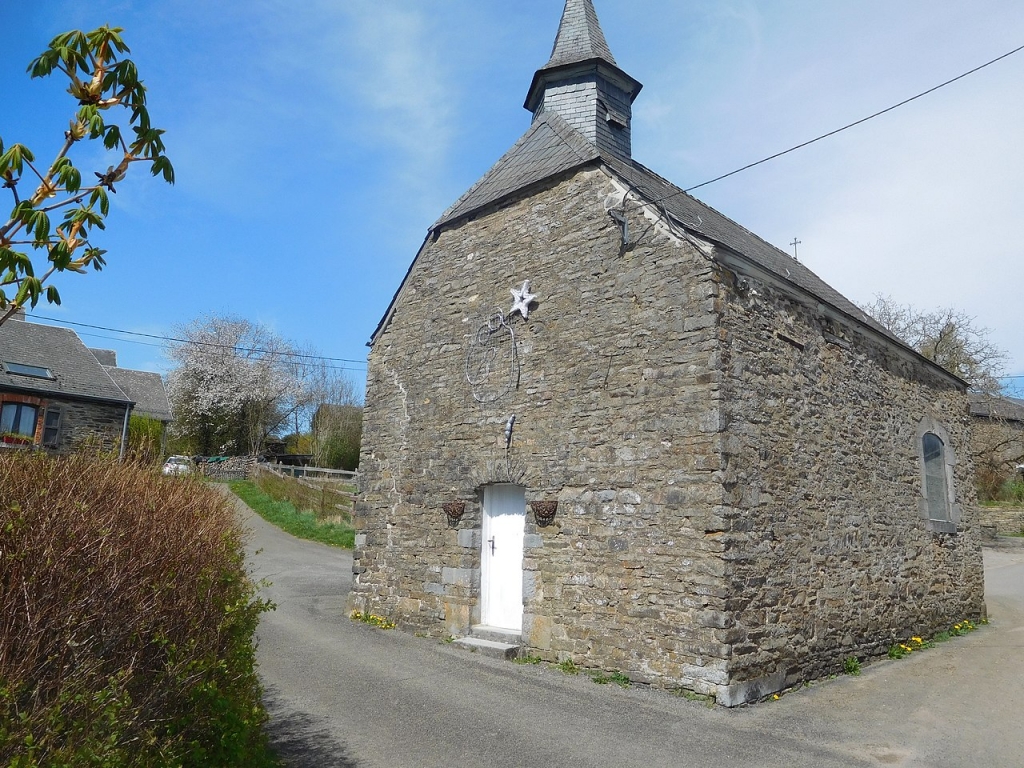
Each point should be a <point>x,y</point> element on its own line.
<point>580,37</point>
<point>583,84</point>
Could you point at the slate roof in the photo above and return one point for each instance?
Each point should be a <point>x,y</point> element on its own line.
<point>552,147</point>
<point>997,407</point>
<point>146,389</point>
<point>107,357</point>
<point>580,37</point>
<point>77,373</point>
<point>701,219</point>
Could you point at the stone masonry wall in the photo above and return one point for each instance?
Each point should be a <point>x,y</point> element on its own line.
<point>232,468</point>
<point>617,417</point>
<point>828,552</point>
<point>87,425</point>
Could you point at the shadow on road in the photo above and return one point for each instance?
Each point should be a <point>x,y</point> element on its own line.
<point>301,740</point>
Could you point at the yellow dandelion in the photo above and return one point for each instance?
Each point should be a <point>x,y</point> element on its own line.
<point>917,640</point>
<point>776,697</point>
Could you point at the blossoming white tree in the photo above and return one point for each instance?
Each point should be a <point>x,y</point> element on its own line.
<point>236,383</point>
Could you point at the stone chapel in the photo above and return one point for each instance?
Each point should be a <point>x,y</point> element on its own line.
<point>606,423</point>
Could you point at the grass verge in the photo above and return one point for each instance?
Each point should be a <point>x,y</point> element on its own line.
<point>301,524</point>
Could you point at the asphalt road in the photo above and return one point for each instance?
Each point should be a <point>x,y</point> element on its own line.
<point>342,693</point>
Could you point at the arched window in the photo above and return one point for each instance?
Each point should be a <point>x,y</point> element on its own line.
<point>935,489</point>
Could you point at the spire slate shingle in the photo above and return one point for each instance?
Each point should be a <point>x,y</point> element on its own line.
<point>583,84</point>
<point>580,37</point>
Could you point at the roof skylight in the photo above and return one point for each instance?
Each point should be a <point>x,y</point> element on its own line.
<point>35,371</point>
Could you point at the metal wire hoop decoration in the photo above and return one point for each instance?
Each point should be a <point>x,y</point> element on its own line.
<point>492,360</point>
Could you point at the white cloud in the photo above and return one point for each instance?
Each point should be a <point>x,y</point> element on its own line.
<point>921,203</point>
<point>393,92</point>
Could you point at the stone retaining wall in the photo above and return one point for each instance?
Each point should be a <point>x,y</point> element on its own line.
<point>234,468</point>
<point>1006,521</point>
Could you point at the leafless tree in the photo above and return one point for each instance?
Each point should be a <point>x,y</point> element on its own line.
<point>947,336</point>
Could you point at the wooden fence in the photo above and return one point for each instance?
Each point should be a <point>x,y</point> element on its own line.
<point>326,496</point>
<point>314,473</point>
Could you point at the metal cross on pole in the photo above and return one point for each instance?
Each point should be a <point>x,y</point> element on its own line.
<point>795,243</point>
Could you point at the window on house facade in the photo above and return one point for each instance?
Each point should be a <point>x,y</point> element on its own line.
<point>51,427</point>
<point>935,488</point>
<point>18,419</point>
<point>35,371</point>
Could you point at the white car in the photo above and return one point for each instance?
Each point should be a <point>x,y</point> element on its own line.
<point>178,465</point>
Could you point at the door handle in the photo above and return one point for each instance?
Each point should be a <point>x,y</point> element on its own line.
<point>491,542</point>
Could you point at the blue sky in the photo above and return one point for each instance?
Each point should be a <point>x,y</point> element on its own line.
<point>315,142</point>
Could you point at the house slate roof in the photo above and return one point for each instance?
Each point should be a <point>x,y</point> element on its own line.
<point>997,407</point>
<point>146,389</point>
<point>76,371</point>
<point>107,357</point>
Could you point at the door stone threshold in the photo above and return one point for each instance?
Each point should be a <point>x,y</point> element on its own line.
<point>496,634</point>
<point>492,648</point>
<point>495,642</point>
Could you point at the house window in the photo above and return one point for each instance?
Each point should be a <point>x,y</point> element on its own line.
<point>935,489</point>
<point>18,419</point>
<point>51,427</point>
<point>35,371</point>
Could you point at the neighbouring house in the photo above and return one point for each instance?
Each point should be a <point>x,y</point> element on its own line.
<point>997,426</point>
<point>56,395</point>
<point>605,423</point>
<point>145,388</point>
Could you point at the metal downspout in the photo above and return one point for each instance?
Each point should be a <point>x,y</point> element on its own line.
<point>124,432</point>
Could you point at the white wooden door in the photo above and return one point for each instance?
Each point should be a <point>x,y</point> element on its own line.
<point>501,561</point>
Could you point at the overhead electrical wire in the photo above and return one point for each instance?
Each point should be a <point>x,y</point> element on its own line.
<point>845,127</point>
<point>658,200</point>
<point>86,334</point>
<point>253,350</point>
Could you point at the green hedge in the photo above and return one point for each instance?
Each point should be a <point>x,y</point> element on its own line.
<point>126,620</point>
